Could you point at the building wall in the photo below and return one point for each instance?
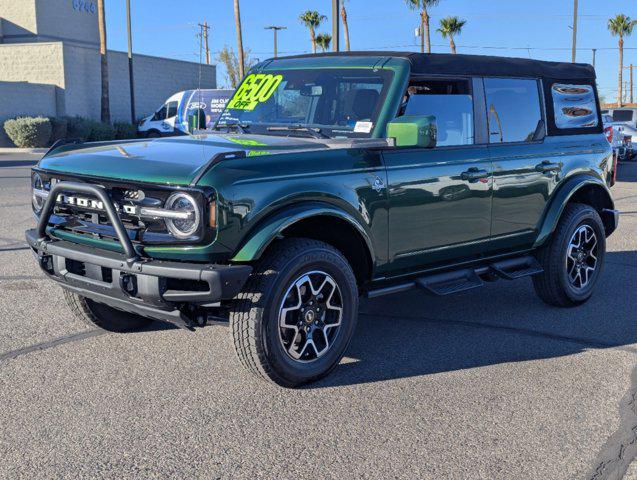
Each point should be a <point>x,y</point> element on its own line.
<point>50,20</point>
<point>155,80</point>
<point>16,99</point>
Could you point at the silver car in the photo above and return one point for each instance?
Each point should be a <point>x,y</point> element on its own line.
<point>624,121</point>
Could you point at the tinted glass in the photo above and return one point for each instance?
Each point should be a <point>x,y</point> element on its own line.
<point>161,113</point>
<point>341,102</point>
<point>622,115</point>
<point>172,109</point>
<point>514,109</point>
<point>454,116</point>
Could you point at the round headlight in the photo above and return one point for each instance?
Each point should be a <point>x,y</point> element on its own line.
<point>37,187</point>
<point>186,224</point>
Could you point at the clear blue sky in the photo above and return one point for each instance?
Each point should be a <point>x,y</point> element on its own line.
<point>536,28</point>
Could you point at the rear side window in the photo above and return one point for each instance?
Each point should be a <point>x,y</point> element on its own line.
<point>622,115</point>
<point>574,106</point>
<point>514,110</point>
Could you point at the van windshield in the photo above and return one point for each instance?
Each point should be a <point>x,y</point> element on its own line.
<point>334,102</point>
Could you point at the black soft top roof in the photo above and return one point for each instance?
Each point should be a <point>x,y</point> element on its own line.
<point>448,64</point>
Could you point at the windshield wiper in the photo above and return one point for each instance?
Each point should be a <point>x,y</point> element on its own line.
<point>313,132</point>
<point>240,127</point>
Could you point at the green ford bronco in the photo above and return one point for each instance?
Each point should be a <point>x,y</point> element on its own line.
<point>329,177</point>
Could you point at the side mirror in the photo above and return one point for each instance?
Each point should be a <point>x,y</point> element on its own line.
<point>413,131</point>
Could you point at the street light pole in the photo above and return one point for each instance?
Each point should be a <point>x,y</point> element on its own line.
<point>130,64</point>
<point>275,29</point>
<point>335,26</point>
<point>574,30</point>
<point>594,55</point>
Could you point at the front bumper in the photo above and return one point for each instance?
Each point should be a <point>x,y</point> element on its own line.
<point>157,289</point>
<point>151,288</point>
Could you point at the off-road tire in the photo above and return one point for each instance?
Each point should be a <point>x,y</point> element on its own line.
<point>103,316</point>
<point>553,286</point>
<point>254,315</point>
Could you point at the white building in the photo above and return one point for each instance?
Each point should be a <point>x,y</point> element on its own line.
<point>50,65</point>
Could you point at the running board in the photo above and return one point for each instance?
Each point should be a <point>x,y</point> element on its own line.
<point>515,268</point>
<point>450,282</point>
<point>456,281</point>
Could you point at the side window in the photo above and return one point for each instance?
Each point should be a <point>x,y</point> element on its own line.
<point>450,101</point>
<point>172,110</point>
<point>574,106</point>
<point>514,110</point>
<point>161,113</point>
<point>622,115</point>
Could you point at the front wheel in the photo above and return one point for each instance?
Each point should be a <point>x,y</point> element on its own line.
<point>297,313</point>
<point>573,258</point>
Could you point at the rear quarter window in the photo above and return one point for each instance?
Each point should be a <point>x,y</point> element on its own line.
<point>574,106</point>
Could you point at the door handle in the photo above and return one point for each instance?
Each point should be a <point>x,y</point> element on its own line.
<point>548,167</point>
<point>474,174</point>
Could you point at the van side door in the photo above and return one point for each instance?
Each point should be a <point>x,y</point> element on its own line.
<point>440,198</point>
<point>524,170</point>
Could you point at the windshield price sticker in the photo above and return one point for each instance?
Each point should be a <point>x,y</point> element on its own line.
<point>256,88</point>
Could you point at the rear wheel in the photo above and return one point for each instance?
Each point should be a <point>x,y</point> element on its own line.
<point>297,313</point>
<point>573,258</point>
<point>103,316</point>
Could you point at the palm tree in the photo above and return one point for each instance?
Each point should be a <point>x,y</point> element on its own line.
<point>237,21</point>
<point>323,40</point>
<point>345,25</point>
<point>451,27</point>
<point>105,110</point>
<point>312,20</point>
<point>423,6</point>
<point>621,26</point>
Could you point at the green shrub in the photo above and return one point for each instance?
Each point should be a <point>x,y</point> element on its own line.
<point>101,132</point>
<point>29,132</point>
<point>59,127</point>
<point>78,128</point>
<point>125,130</point>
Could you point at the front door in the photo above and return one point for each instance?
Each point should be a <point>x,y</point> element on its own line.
<point>440,198</point>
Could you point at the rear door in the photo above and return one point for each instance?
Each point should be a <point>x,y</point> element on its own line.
<point>440,198</point>
<point>524,171</point>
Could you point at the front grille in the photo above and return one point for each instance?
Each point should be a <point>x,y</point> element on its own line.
<point>93,222</point>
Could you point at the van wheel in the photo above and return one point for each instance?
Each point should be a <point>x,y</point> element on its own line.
<point>573,258</point>
<point>103,316</point>
<point>297,313</point>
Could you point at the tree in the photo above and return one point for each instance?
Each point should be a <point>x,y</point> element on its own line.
<point>345,25</point>
<point>312,20</point>
<point>230,60</point>
<point>621,26</point>
<point>451,27</point>
<point>105,110</point>
<point>323,40</point>
<point>423,6</point>
<point>237,22</point>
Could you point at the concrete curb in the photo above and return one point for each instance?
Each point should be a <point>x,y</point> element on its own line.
<point>23,150</point>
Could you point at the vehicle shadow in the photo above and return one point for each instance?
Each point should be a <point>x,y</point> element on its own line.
<point>413,334</point>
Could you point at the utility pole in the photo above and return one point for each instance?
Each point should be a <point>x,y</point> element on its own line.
<point>130,64</point>
<point>204,32</point>
<point>594,55</point>
<point>629,89</point>
<point>275,29</point>
<point>105,110</point>
<point>574,30</point>
<point>336,45</point>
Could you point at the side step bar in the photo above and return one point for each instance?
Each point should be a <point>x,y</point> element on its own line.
<point>456,281</point>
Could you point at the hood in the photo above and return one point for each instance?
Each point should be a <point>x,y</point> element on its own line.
<point>172,160</point>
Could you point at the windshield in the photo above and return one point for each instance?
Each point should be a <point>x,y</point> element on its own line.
<point>334,102</point>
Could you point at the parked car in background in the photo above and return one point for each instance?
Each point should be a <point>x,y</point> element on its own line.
<point>185,112</point>
<point>625,122</point>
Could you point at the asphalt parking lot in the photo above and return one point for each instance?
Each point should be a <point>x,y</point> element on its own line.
<point>487,384</point>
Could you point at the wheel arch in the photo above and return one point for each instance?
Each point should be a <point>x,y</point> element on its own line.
<point>326,223</point>
<point>580,189</point>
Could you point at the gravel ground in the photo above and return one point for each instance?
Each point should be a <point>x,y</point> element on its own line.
<point>486,384</point>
